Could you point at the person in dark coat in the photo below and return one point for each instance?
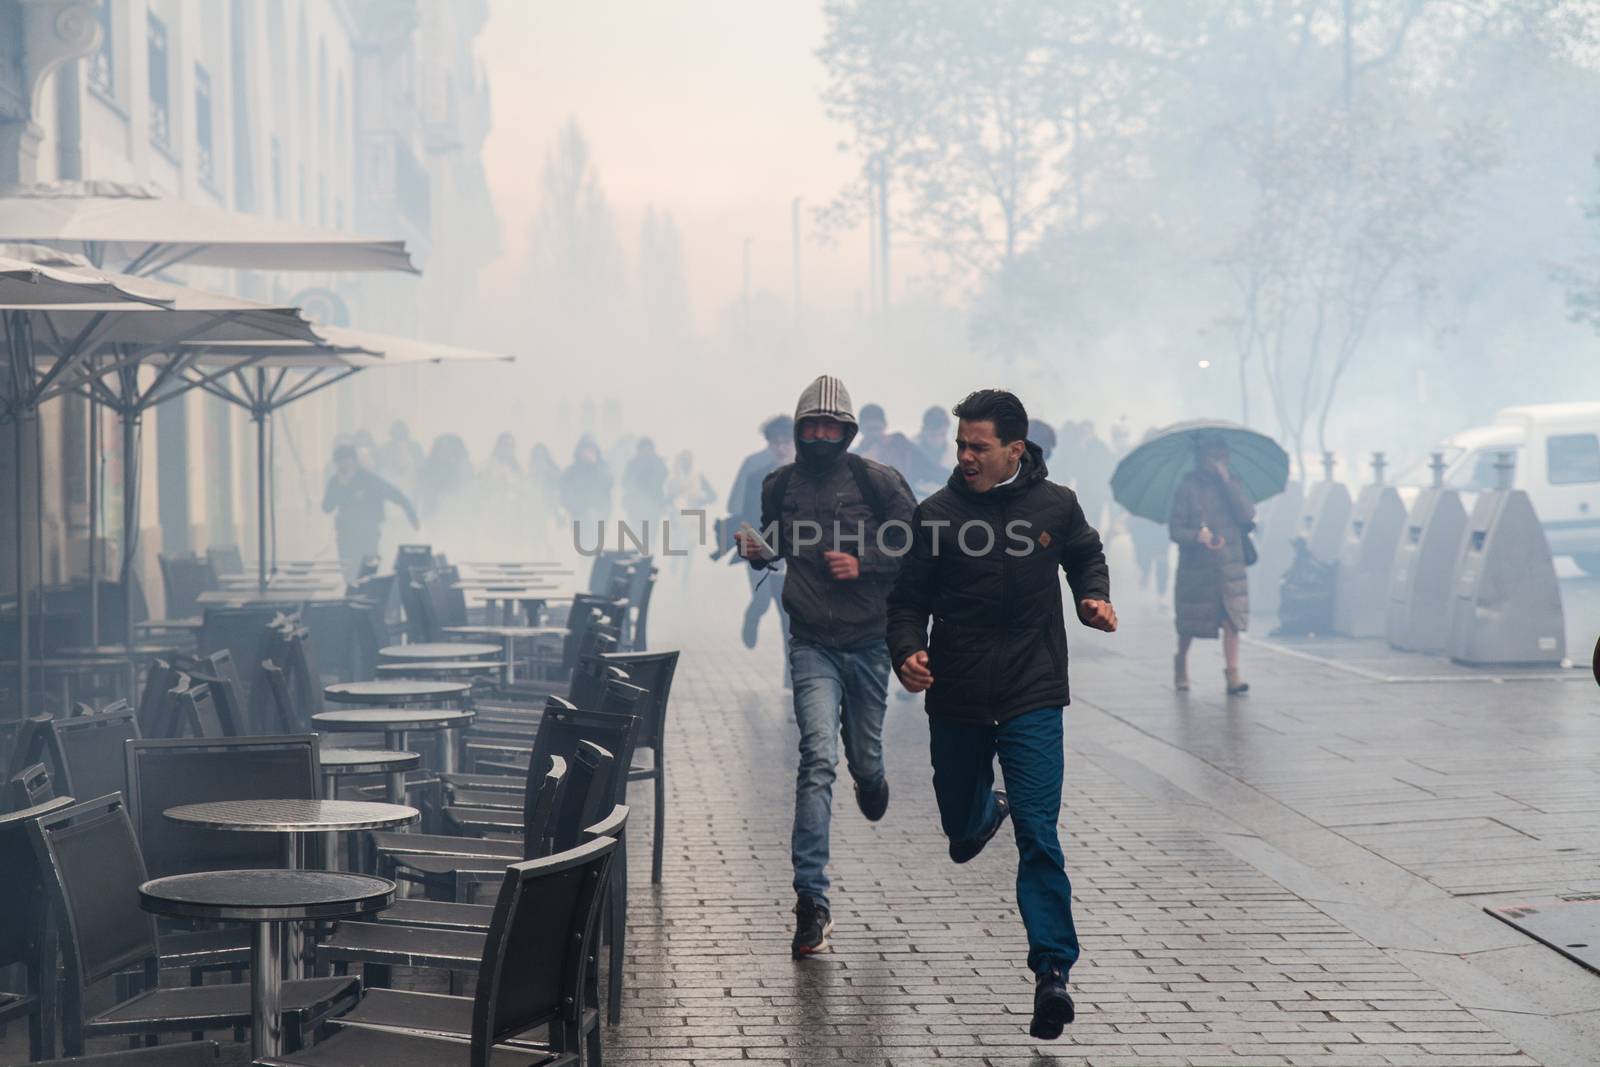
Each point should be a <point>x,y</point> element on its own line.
<point>744,505</point>
<point>824,516</point>
<point>982,565</point>
<point>357,498</point>
<point>1211,514</point>
<point>586,484</point>
<point>644,487</point>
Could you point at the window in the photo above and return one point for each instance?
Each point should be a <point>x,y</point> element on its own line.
<point>1573,458</point>
<point>202,127</point>
<point>160,87</point>
<point>102,65</point>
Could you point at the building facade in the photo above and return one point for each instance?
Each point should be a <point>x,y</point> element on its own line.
<point>360,115</point>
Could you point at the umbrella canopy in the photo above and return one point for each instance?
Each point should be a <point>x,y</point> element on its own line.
<point>1146,479</point>
<point>27,283</point>
<point>141,231</point>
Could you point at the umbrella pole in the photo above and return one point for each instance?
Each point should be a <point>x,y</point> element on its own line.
<point>17,464</point>
<point>130,518</point>
<point>260,416</point>
<point>94,522</point>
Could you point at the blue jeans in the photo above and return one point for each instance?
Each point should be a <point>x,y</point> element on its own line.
<point>835,690</point>
<point>1031,758</point>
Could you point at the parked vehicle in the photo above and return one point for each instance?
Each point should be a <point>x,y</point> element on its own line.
<point>1555,452</point>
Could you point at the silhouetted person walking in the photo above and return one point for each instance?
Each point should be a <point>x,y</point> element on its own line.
<point>357,497</point>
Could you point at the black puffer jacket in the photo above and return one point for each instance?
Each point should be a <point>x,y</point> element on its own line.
<point>999,645</point>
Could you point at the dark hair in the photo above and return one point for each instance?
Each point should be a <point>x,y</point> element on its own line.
<point>778,428</point>
<point>1003,409</point>
<point>344,452</point>
<point>872,411</point>
<point>1210,444</point>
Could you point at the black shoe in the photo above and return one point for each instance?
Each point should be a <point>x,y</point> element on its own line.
<point>1052,1006</point>
<point>873,803</point>
<point>812,926</point>
<point>962,851</point>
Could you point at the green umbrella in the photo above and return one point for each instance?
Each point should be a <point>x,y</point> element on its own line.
<point>1146,479</point>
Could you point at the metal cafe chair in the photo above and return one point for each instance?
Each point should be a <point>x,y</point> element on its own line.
<point>25,938</point>
<point>93,870</point>
<point>407,857</point>
<point>85,752</point>
<point>221,675</point>
<point>165,773</point>
<point>29,787</point>
<point>156,708</point>
<point>533,968</point>
<point>652,672</point>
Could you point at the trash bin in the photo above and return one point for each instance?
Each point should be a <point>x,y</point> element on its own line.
<point>1305,599</point>
<point>1360,598</point>
<point>1421,580</point>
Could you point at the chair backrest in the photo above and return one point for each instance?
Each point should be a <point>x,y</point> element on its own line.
<point>452,601</point>
<point>26,744</point>
<point>92,870</point>
<point>90,751</point>
<point>537,951</point>
<point>29,787</point>
<point>277,712</point>
<point>641,610</point>
<point>184,578</point>
<point>422,612</point>
<point>586,794</point>
<point>221,675</point>
<point>156,700</point>
<point>305,680</point>
<point>246,633</point>
<point>23,901</point>
<point>225,559</point>
<point>652,672</point>
<point>540,799</point>
<point>409,558</point>
<point>615,824</point>
<point>562,728</point>
<point>331,635</point>
<point>199,708</point>
<point>164,774</point>
<point>600,570</point>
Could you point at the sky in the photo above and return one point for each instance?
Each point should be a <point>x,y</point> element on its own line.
<point>710,110</point>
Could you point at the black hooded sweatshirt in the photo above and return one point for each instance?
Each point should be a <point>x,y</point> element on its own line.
<point>983,566</point>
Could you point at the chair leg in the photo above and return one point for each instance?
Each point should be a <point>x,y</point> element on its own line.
<point>661,820</point>
<point>618,922</point>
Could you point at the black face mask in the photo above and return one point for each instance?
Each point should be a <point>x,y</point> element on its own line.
<point>820,455</point>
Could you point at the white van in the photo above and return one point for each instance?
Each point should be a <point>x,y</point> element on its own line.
<point>1555,449</point>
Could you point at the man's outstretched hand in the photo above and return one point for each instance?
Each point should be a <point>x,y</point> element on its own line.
<point>1098,614</point>
<point>914,672</point>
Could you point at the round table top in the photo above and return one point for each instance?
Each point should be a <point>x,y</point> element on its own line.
<point>293,816</point>
<point>266,895</point>
<point>437,650</point>
<point>237,597</point>
<point>390,690</point>
<point>366,760</point>
<point>431,668</point>
<point>507,631</point>
<point>393,718</point>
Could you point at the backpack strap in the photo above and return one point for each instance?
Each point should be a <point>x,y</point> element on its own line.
<point>869,492</point>
<point>858,471</point>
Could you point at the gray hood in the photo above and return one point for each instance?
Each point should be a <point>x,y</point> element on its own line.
<point>826,396</point>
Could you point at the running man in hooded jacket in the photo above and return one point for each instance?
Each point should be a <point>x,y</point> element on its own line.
<point>825,511</point>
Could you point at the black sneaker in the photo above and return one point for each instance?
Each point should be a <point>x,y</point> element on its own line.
<point>1052,1006</point>
<point>962,851</point>
<point>873,802</point>
<point>813,924</point>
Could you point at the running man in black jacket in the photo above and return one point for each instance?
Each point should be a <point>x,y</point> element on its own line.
<point>983,559</point>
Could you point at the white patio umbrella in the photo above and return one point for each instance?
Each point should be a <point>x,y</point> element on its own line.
<point>264,378</point>
<point>140,231</point>
<point>51,347</point>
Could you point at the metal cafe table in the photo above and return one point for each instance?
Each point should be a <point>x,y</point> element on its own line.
<point>396,691</point>
<point>268,900</point>
<point>294,819</point>
<point>441,668</point>
<point>338,762</point>
<point>395,724</point>
<point>438,650</point>
<point>509,636</point>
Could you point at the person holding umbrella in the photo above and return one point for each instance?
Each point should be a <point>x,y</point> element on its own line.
<point>1212,516</point>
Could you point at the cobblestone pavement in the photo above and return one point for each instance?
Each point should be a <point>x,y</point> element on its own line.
<point>1295,878</point>
<point>1275,880</point>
